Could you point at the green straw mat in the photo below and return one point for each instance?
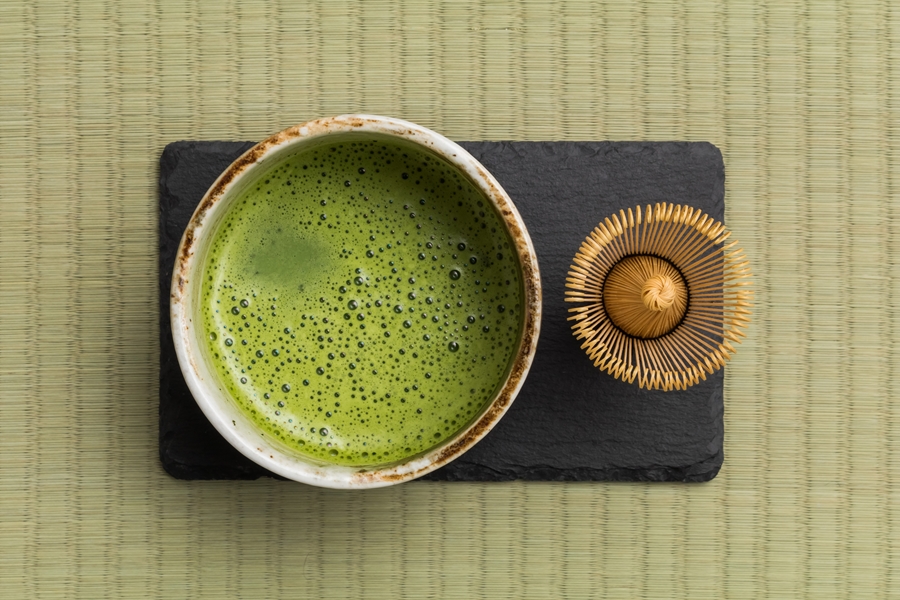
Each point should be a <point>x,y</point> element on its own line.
<point>803,100</point>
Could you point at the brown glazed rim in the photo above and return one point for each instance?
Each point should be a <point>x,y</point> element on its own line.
<point>216,404</point>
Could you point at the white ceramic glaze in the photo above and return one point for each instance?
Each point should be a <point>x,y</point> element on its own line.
<point>211,395</point>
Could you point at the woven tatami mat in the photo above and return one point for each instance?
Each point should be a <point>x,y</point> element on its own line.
<point>803,100</point>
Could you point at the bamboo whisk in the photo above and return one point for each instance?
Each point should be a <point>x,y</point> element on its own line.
<point>662,295</point>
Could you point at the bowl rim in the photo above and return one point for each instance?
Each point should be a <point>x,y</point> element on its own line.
<point>224,414</point>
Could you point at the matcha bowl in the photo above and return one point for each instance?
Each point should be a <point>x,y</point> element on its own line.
<point>355,302</point>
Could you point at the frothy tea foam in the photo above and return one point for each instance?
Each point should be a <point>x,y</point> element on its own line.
<point>362,301</point>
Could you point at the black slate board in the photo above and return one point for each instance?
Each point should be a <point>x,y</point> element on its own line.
<point>570,422</point>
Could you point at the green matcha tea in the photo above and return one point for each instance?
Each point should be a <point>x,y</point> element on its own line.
<point>362,301</point>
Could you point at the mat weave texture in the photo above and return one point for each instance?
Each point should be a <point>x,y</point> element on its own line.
<point>801,97</point>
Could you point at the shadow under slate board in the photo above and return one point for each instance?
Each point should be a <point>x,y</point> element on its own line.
<point>570,422</point>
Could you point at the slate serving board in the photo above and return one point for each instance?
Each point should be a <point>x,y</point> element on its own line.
<point>570,422</point>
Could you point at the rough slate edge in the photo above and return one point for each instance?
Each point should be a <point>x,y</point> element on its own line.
<point>670,171</point>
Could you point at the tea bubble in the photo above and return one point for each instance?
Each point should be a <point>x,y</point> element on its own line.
<point>245,303</point>
<point>454,274</point>
<point>286,388</point>
<point>453,346</point>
